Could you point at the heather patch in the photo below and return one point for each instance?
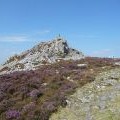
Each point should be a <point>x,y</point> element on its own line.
<point>35,95</point>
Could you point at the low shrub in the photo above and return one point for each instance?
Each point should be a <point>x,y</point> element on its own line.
<point>34,95</point>
<point>12,114</point>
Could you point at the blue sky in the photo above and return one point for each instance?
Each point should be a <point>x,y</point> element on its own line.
<point>92,26</point>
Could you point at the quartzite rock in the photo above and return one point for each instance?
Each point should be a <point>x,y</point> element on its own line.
<point>43,53</point>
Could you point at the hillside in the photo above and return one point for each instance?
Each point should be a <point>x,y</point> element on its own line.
<point>99,100</point>
<point>36,94</point>
<point>56,82</point>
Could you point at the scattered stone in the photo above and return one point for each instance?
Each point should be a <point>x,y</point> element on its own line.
<point>82,65</point>
<point>117,63</point>
<point>57,72</point>
<point>45,84</point>
<point>101,103</point>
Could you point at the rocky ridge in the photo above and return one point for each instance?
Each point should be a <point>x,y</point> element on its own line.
<point>41,54</point>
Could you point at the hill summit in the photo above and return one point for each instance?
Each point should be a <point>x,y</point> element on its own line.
<point>41,54</point>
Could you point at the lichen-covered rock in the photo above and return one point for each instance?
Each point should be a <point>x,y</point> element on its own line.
<point>99,100</point>
<point>43,53</point>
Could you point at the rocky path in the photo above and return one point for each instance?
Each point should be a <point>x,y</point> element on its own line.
<point>99,100</point>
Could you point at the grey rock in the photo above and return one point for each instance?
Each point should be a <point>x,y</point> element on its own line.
<point>43,53</point>
<point>117,63</point>
<point>94,103</point>
<point>82,65</point>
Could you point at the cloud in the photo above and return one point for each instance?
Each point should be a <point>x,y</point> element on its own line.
<point>86,36</point>
<point>41,32</point>
<point>102,53</point>
<point>13,38</point>
<point>23,37</point>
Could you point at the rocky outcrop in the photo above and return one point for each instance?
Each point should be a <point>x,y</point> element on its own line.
<point>99,100</point>
<point>43,53</point>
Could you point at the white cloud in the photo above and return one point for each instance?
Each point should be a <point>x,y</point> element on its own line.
<point>23,37</point>
<point>102,53</point>
<point>41,32</point>
<point>86,36</point>
<point>13,38</point>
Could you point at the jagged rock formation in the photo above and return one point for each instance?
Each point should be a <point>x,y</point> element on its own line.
<point>43,53</point>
